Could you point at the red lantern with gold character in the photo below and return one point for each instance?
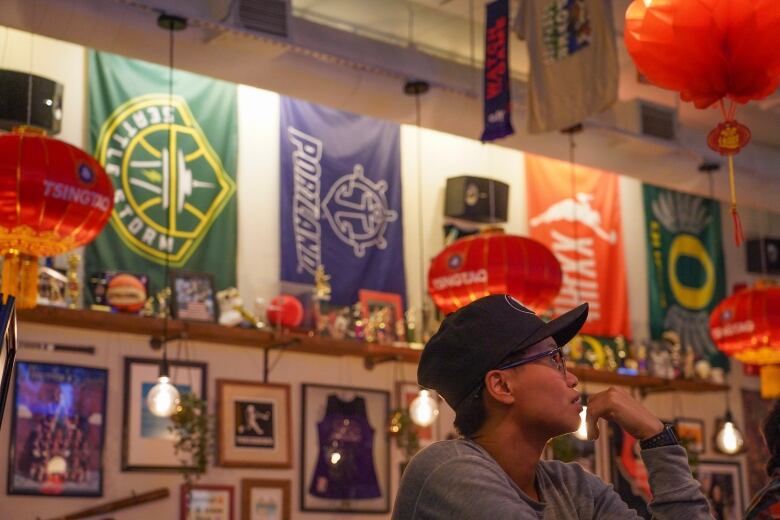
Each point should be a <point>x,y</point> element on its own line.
<point>746,326</point>
<point>53,198</point>
<point>711,52</point>
<point>494,263</point>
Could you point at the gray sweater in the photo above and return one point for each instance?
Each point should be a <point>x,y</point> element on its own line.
<point>458,479</point>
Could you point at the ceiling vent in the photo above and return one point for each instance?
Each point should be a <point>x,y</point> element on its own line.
<point>264,16</point>
<point>657,121</point>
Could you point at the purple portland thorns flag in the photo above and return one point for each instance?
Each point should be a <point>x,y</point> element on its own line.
<point>341,200</point>
<point>498,103</point>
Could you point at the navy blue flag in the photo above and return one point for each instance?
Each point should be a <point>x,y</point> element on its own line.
<point>341,200</point>
<point>498,103</point>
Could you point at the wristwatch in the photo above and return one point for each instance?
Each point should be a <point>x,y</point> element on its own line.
<point>665,438</point>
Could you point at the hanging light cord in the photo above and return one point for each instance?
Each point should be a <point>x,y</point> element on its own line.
<point>573,178</point>
<point>418,121</point>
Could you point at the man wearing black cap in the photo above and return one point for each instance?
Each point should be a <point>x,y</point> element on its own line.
<point>500,367</point>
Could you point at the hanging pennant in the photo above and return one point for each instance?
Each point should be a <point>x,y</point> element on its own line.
<point>498,102</point>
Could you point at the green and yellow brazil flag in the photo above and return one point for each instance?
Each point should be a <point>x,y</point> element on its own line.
<point>172,159</point>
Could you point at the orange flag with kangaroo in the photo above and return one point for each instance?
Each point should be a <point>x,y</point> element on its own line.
<point>576,213</point>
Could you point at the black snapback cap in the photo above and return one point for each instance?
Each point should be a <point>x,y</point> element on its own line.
<point>474,339</point>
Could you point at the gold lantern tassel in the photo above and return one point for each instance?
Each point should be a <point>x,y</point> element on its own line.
<point>28,293</point>
<point>11,273</point>
<point>739,235</point>
<point>770,381</point>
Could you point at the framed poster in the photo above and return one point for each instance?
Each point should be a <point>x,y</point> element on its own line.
<point>58,430</point>
<point>627,470</point>
<point>206,502</point>
<point>254,424</point>
<point>691,433</point>
<point>345,455</point>
<point>193,296</point>
<point>8,349</point>
<point>147,442</point>
<point>721,483</point>
<point>263,499</point>
<point>406,392</point>
<point>387,309</point>
<point>754,411</point>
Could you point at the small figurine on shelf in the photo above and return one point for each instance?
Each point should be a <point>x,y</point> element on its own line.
<point>661,362</point>
<point>674,347</point>
<point>641,358</point>
<point>411,325</point>
<point>322,287</point>
<point>162,298</point>
<point>689,363</point>
<point>74,287</point>
<point>621,349</point>
<point>232,311</point>
<point>359,324</point>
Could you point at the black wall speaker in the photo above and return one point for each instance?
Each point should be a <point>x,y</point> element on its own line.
<point>19,90</point>
<point>477,199</point>
<point>763,255</point>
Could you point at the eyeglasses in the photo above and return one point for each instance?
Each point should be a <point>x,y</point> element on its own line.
<point>558,360</point>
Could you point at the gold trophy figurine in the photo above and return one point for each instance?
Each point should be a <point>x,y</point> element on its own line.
<point>322,287</point>
<point>74,287</point>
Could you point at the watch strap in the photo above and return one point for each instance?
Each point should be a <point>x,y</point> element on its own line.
<point>666,437</point>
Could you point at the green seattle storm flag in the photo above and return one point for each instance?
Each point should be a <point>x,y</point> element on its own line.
<point>173,164</point>
<point>686,270</point>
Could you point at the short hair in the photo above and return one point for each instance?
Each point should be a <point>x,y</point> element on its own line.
<point>771,431</point>
<point>471,414</point>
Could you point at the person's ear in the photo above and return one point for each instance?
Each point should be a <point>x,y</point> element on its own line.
<point>497,387</point>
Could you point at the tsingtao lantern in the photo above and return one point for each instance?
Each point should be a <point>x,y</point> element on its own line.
<point>746,326</point>
<point>53,198</point>
<point>710,51</point>
<point>494,263</point>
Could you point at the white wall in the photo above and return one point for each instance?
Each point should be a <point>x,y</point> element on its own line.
<point>440,156</point>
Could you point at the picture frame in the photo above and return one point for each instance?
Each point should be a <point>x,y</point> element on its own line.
<point>627,471</point>
<point>405,393</point>
<point>373,301</point>
<point>147,444</point>
<point>8,348</point>
<point>58,430</point>
<point>362,482</point>
<point>588,454</point>
<point>254,424</point>
<point>193,296</point>
<point>206,501</point>
<point>721,483</point>
<point>754,410</point>
<point>265,499</point>
<point>691,434</point>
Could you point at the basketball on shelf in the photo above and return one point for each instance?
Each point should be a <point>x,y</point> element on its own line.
<point>285,310</point>
<point>126,293</point>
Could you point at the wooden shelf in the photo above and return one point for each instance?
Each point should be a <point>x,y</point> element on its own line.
<point>310,344</point>
<point>214,333</point>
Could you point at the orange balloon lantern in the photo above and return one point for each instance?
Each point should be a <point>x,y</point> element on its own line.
<point>746,326</point>
<point>710,51</point>
<point>53,198</point>
<point>494,263</point>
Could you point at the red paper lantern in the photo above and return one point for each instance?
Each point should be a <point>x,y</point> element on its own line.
<point>494,263</point>
<point>285,310</point>
<point>746,326</point>
<point>53,198</point>
<point>709,51</point>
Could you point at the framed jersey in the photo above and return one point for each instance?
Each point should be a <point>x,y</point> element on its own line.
<point>345,455</point>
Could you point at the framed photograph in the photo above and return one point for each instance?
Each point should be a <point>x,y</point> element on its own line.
<point>406,392</point>
<point>254,424</point>
<point>385,308</point>
<point>691,433</point>
<point>206,502</point>
<point>263,499</point>
<point>345,455</point>
<point>58,430</point>
<point>721,483</point>
<point>627,470</point>
<point>754,410</point>
<point>193,296</point>
<point>147,442</point>
<point>8,347</point>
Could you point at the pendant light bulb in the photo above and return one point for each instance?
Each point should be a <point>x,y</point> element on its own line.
<point>582,431</point>
<point>163,398</point>
<point>424,409</point>
<point>729,439</point>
